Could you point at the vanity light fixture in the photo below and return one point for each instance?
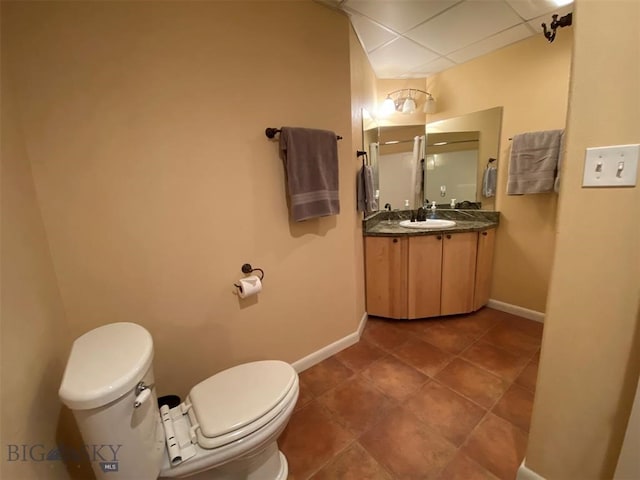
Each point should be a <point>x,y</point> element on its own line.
<point>406,100</point>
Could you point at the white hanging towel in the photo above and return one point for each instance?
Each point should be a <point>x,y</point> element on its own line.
<point>489,181</point>
<point>416,175</point>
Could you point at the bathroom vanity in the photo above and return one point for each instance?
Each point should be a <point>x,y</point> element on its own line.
<point>412,273</point>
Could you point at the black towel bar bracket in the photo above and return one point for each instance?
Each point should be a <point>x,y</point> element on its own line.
<point>271,133</point>
<point>365,157</point>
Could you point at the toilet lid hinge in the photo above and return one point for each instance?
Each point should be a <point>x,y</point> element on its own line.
<point>193,434</point>
<point>185,407</point>
<point>187,410</point>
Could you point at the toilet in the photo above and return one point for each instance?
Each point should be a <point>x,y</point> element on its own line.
<point>226,428</point>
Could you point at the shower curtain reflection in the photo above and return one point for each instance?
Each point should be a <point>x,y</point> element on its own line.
<point>401,150</point>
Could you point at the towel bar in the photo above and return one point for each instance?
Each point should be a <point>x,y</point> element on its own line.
<point>271,132</point>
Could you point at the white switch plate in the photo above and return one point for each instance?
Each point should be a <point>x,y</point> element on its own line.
<point>615,166</point>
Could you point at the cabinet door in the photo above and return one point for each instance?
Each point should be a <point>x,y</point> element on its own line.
<point>425,267</point>
<point>386,276</point>
<point>484,268</point>
<point>458,272</point>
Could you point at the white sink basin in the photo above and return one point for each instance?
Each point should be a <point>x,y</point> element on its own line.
<point>428,224</point>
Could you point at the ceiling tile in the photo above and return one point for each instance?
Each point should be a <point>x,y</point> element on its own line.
<point>371,35</point>
<point>529,9</point>
<point>502,39</point>
<point>437,65</point>
<point>393,32</point>
<point>399,57</point>
<point>536,23</point>
<point>399,16</point>
<point>467,22</point>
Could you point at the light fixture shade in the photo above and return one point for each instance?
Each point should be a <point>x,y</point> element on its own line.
<point>429,105</point>
<point>388,106</point>
<point>409,105</point>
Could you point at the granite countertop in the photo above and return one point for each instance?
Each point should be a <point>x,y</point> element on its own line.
<point>377,224</point>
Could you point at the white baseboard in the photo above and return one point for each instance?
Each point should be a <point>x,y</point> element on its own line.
<point>525,473</point>
<point>363,323</point>
<point>516,310</point>
<point>331,349</point>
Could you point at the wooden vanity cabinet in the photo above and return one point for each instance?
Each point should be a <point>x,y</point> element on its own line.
<point>424,276</point>
<point>428,275</point>
<point>458,272</point>
<point>386,276</point>
<point>484,268</point>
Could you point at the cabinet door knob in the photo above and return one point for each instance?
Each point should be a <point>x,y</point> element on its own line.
<point>395,240</point>
<point>448,236</point>
<point>439,237</point>
<point>484,233</point>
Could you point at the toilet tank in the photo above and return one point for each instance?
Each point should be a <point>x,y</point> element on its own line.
<point>99,385</point>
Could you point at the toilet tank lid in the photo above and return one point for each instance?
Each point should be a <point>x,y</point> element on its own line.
<point>105,364</point>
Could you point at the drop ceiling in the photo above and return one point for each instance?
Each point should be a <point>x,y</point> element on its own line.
<point>417,38</point>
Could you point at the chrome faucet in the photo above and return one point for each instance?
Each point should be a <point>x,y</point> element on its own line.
<point>387,207</point>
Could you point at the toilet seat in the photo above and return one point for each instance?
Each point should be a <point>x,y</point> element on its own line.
<point>236,402</point>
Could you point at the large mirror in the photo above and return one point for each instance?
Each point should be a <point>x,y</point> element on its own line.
<point>441,161</point>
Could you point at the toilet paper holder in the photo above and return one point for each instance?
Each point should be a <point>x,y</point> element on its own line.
<point>247,268</point>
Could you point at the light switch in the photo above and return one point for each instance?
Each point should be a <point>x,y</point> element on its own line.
<point>615,166</point>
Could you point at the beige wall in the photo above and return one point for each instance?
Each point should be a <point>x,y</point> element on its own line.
<point>530,79</point>
<point>591,347</point>
<point>33,325</point>
<point>363,95</point>
<point>144,123</point>
<point>628,465</point>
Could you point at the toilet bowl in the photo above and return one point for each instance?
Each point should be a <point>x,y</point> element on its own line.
<point>226,428</point>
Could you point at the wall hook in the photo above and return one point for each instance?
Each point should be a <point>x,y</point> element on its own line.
<point>555,24</point>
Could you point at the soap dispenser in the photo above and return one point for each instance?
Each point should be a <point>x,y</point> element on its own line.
<point>433,209</point>
<point>453,203</point>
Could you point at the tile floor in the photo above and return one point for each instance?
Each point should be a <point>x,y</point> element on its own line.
<point>446,399</point>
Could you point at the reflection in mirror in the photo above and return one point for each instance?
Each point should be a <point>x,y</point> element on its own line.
<point>485,125</point>
<point>370,145</point>
<point>445,164</point>
<point>400,153</point>
<point>451,167</point>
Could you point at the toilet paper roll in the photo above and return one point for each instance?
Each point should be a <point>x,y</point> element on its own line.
<point>249,286</point>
